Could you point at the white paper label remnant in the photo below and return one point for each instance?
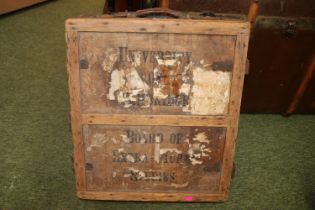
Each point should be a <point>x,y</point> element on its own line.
<point>196,87</point>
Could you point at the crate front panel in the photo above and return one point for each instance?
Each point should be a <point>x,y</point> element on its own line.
<point>153,158</point>
<point>148,73</point>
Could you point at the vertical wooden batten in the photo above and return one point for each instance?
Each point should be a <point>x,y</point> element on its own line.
<point>75,111</point>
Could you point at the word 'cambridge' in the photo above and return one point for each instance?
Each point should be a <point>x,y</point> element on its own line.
<point>151,56</point>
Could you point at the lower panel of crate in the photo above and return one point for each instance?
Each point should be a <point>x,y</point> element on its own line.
<point>155,196</point>
<point>178,162</point>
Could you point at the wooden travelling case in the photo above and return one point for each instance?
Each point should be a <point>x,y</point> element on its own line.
<point>155,104</point>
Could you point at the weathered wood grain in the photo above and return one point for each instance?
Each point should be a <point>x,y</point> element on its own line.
<point>170,120</point>
<point>153,158</point>
<point>160,26</point>
<point>75,110</point>
<point>118,152</point>
<point>234,110</point>
<point>156,196</point>
<point>170,74</point>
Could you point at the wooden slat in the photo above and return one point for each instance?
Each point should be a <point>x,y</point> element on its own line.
<point>234,109</point>
<point>74,93</point>
<point>178,26</point>
<point>154,196</point>
<point>171,120</point>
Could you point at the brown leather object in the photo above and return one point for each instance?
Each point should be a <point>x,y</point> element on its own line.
<point>292,8</point>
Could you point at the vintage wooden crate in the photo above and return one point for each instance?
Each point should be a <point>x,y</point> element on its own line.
<point>155,106</point>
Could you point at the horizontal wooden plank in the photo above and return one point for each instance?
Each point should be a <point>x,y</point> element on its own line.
<point>170,120</point>
<point>176,26</point>
<point>141,196</point>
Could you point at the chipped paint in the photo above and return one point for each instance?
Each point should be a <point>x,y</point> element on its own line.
<point>98,140</point>
<point>158,94</point>
<point>166,150</point>
<point>185,89</point>
<point>142,158</point>
<point>195,162</point>
<point>135,59</point>
<point>142,140</point>
<point>116,83</point>
<point>205,151</point>
<point>210,92</point>
<point>193,154</point>
<point>114,140</point>
<point>166,81</point>
<point>152,178</point>
<point>140,174</point>
<point>126,98</point>
<point>121,150</point>
<point>170,79</point>
<point>111,55</point>
<point>201,137</point>
<point>157,153</point>
<point>166,62</point>
<point>156,76</point>
<point>158,139</point>
<point>134,81</point>
<point>125,139</point>
<point>180,185</point>
<point>127,175</point>
<point>134,86</point>
<point>126,85</point>
<point>186,73</point>
<point>198,150</point>
<point>207,91</point>
<point>130,158</point>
